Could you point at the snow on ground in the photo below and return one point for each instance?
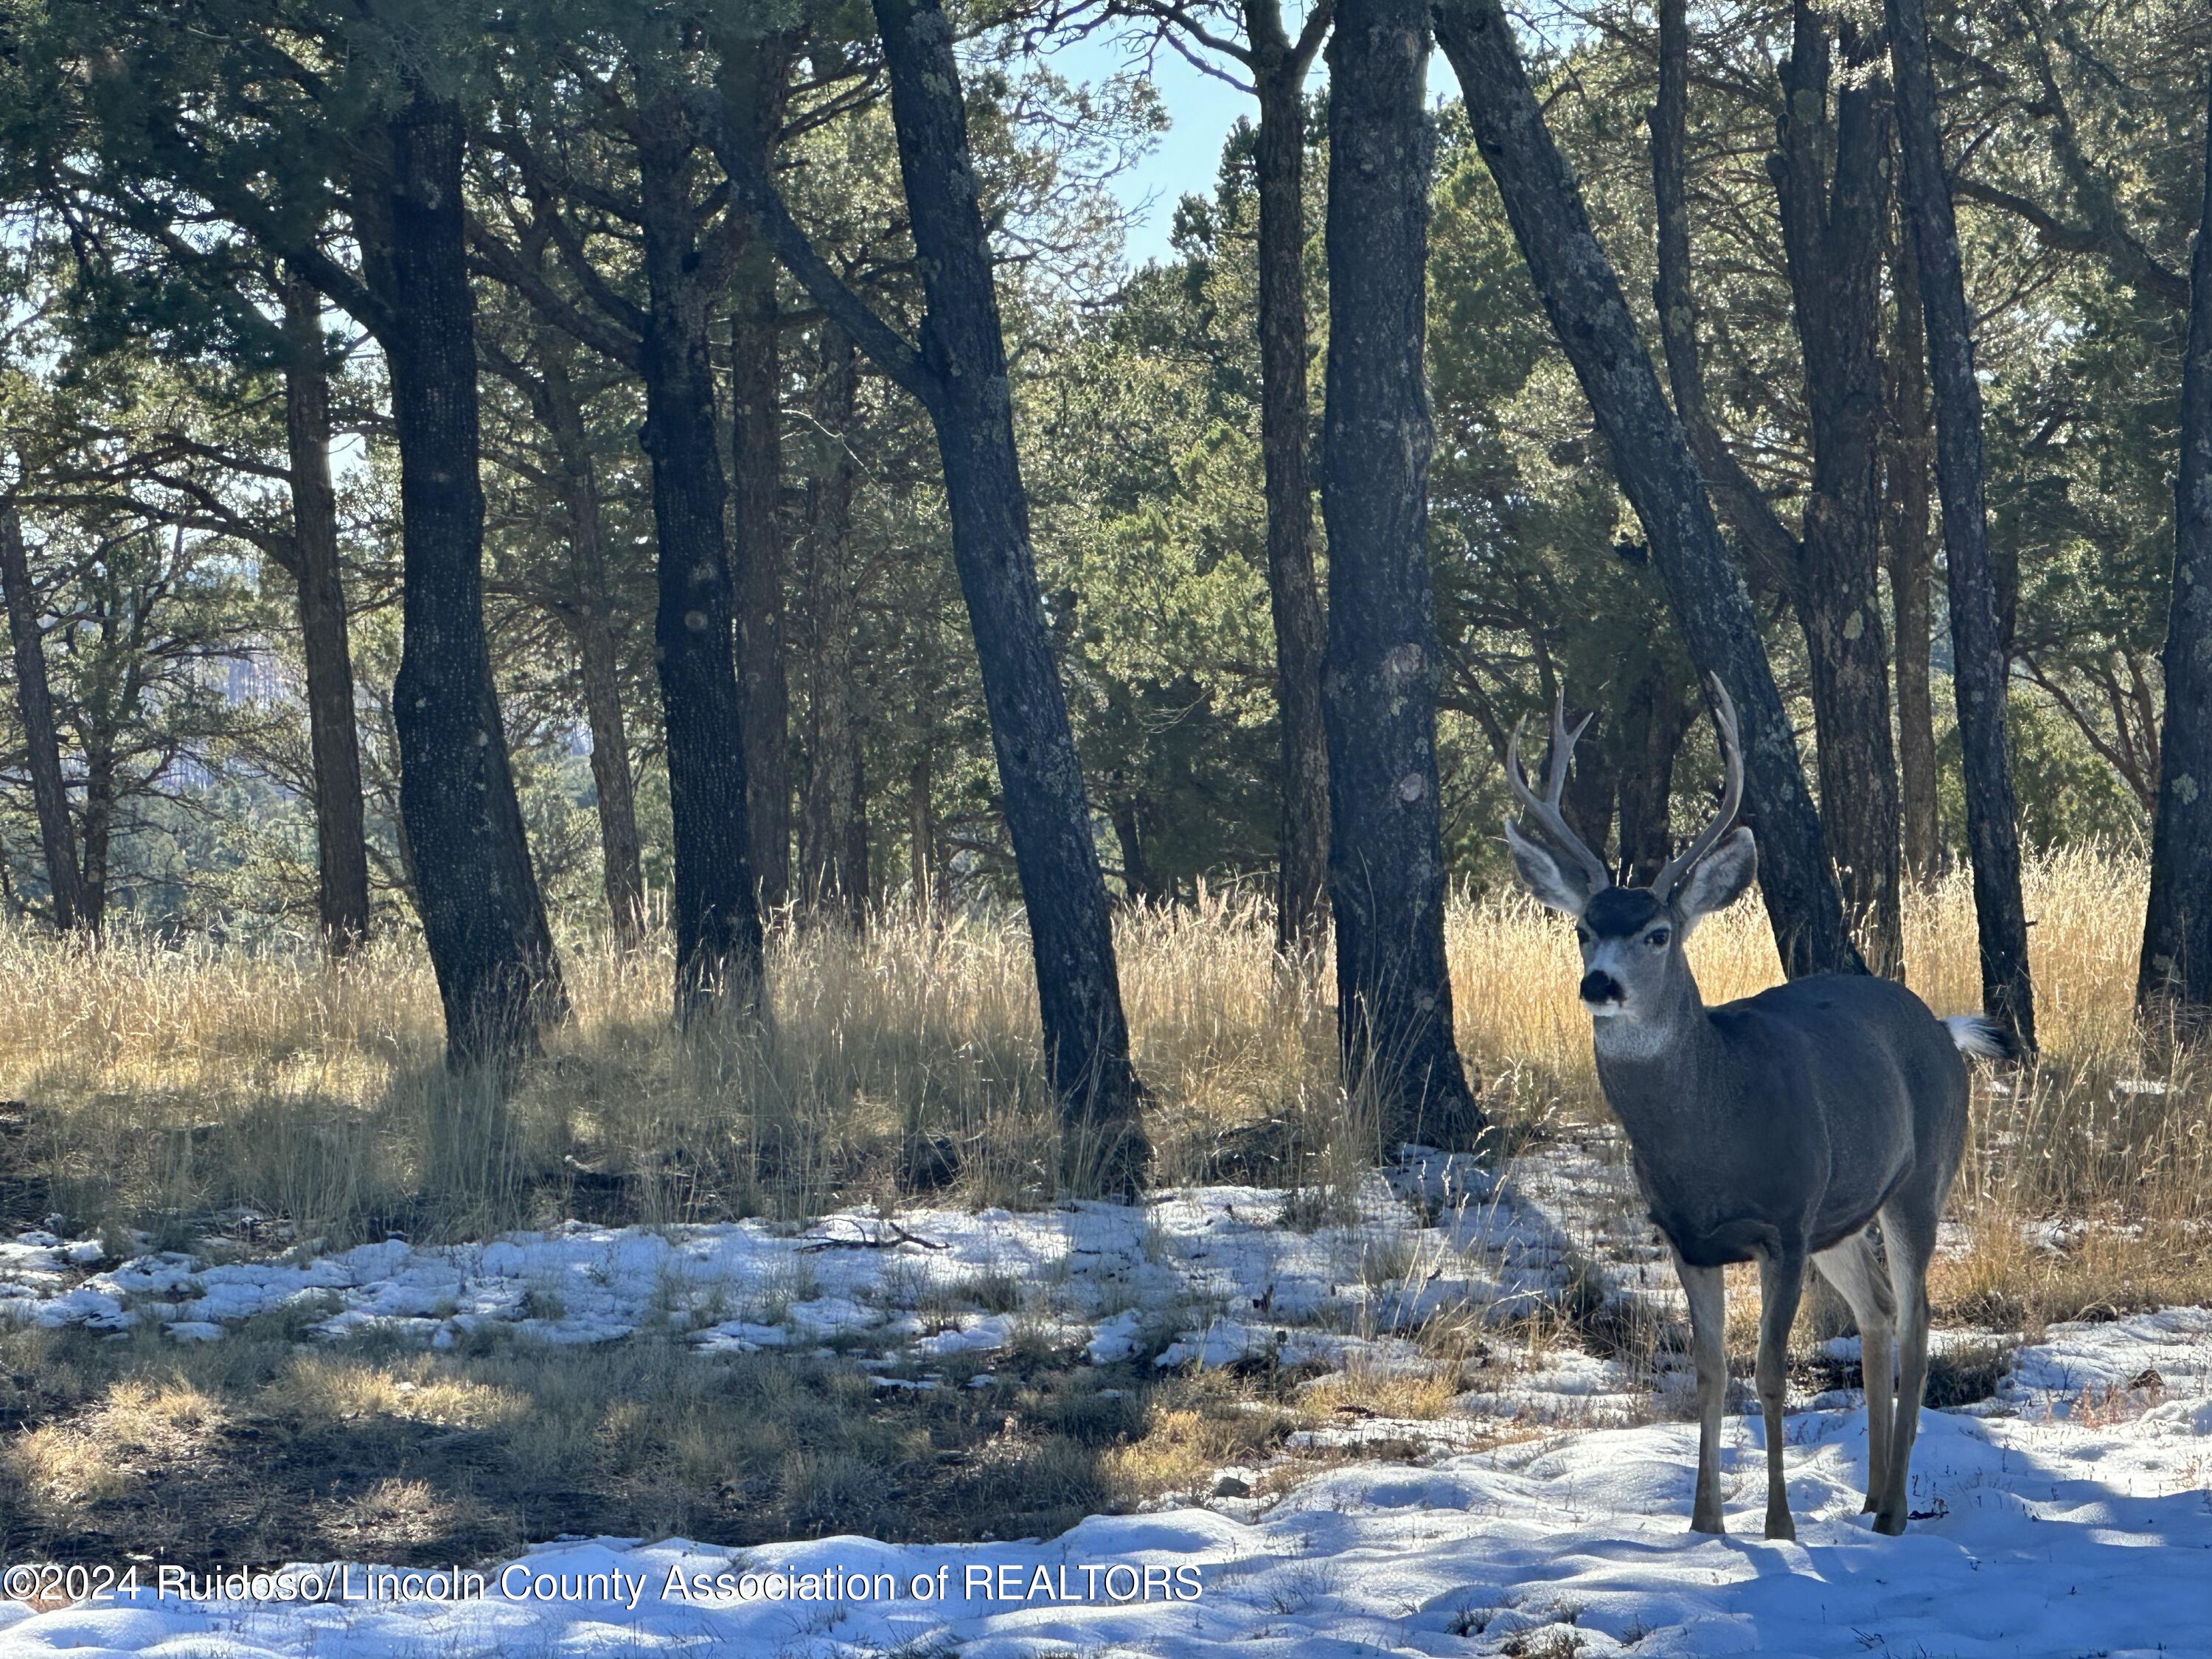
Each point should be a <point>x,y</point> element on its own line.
<point>2068,1516</point>
<point>1210,1275</point>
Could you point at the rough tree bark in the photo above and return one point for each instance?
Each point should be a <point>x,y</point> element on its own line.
<point>1908,463</point>
<point>1386,856</point>
<point>482,917</point>
<point>1650,724</point>
<point>2176,970</point>
<point>35,705</point>
<point>1581,295</point>
<point>1831,222</point>
<point>715,903</point>
<point>590,620</point>
<point>828,882</point>
<point>333,740</point>
<point>1278,73</point>
<point>1977,649</point>
<point>959,374</point>
<point>757,570</point>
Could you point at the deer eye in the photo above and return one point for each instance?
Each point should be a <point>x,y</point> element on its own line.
<point>1656,938</point>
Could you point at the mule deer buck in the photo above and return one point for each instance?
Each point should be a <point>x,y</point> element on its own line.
<point>1775,1129</point>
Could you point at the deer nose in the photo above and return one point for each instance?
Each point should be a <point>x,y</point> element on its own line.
<point>1598,986</point>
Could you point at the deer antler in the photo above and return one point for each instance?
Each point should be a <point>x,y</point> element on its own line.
<point>1545,813</point>
<point>1731,797</point>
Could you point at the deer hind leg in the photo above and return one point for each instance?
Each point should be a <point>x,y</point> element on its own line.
<point>1781,1281</point>
<point>1708,1325</point>
<point>1860,1278</point>
<point>1908,1232</point>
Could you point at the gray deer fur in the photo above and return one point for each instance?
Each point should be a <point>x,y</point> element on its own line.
<point>1775,1129</point>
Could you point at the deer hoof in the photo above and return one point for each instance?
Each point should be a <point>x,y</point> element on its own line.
<point>1781,1526</point>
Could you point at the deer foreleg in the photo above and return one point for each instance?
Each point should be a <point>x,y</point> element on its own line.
<point>1782,1280</point>
<point>1708,1326</point>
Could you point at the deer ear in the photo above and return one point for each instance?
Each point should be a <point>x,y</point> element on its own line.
<point>1720,878</point>
<point>1541,875</point>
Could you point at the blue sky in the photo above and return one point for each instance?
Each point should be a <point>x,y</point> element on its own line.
<point>1202,109</point>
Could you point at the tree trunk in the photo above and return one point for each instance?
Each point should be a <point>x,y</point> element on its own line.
<point>757,573</point>
<point>1582,296</point>
<point>1651,723</point>
<point>483,918</point>
<point>716,904</point>
<point>590,624</point>
<point>1293,595</point>
<point>1593,785</point>
<point>1977,649</point>
<point>1911,558</point>
<point>2176,970</point>
<point>1831,233</point>
<point>1138,884</point>
<point>827,881</point>
<point>99,826</point>
<point>35,704</point>
<point>1772,552</point>
<point>1086,1039</point>
<point>1386,855</point>
<point>334,743</point>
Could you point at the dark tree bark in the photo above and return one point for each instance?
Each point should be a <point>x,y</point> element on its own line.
<point>1593,785</point>
<point>959,374</point>
<point>590,621</point>
<point>1581,295</point>
<point>1386,855</point>
<point>1652,720</point>
<point>757,573</point>
<point>2176,972</point>
<point>1279,72</point>
<point>1138,883</point>
<point>35,705</point>
<point>1832,225</point>
<point>1908,463</point>
<point>483,918</point>
<point>333,740</point>
<point>715,903</point>
<point>1977,644</point>
<point>828,881</point>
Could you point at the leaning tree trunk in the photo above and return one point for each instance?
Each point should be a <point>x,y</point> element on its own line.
<point>1831,233</point>
<point>1386,853</point>
<point>1910,457</point>
<point>483,918</point>
<point>1293,595</point>
<point>1977,643</point>
<point>1581,295</point>
<point>34,705</point>
<point>2176,970</point>
<point>591,625</point>
<point>333,739</point>
<point>828,882</point>
<point>714,903</point>
<point>963,357</point>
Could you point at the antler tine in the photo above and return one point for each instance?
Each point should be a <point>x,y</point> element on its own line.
<point>1731,794</point>
<point>1545,813</point>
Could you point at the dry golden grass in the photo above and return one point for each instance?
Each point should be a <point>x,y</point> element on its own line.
<point>164,1085</point>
